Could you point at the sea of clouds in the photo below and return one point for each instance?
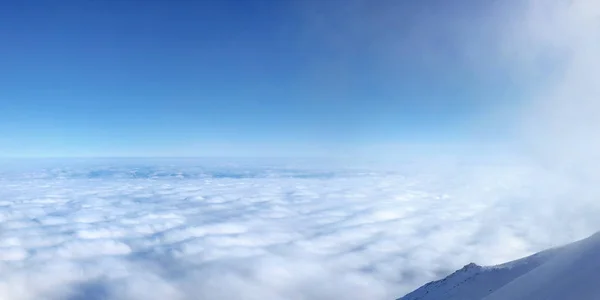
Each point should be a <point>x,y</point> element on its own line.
<point>128,229</point>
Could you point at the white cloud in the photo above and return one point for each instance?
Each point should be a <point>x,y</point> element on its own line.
<point>176,232</point>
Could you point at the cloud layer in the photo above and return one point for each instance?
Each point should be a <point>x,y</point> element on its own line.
<point>123,230</point>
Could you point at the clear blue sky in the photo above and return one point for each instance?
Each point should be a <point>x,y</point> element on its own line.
<point>237,77</point>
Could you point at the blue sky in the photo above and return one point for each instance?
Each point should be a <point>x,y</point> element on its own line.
<point>241,78</point>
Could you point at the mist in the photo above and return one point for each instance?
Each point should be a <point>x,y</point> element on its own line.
<point>546,50</point>
<point>560,121</point>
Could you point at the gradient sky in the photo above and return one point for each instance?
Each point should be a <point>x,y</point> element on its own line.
<point>242,78</point>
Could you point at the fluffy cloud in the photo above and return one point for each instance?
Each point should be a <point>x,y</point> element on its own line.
<point>125,230</point>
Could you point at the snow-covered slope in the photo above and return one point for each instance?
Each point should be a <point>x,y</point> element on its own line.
<point>568,272</point>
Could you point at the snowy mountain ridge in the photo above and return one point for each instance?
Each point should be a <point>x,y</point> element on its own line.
<point>566,272</point>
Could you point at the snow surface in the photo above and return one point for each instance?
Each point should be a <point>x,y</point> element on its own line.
<point>568,272</point>
<point>130,229</point>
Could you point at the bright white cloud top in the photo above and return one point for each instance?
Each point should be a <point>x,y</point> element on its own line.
<point>192,230</point>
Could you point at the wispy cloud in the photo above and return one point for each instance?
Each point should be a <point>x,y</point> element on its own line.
<point>560,39</point>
